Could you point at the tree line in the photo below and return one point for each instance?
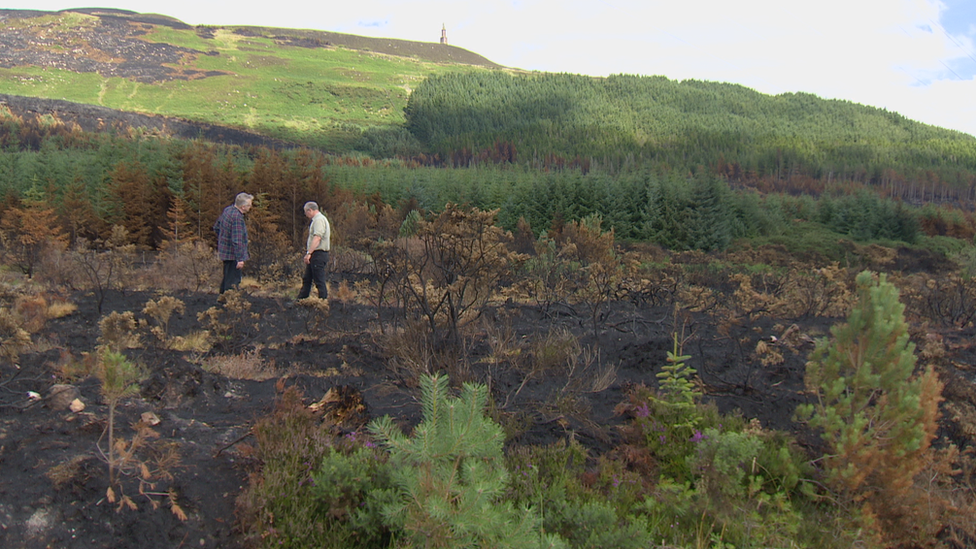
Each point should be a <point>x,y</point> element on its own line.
<point>161,190</point>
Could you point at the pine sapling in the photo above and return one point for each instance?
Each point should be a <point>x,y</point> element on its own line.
<point>119,377</point>
<point>450,475</point>
<point>676,378</point>
<point>877,417</point>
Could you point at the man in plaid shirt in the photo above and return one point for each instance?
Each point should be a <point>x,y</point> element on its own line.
<point>232,240</point>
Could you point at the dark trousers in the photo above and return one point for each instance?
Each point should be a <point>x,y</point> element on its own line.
<point>232,276</point>
<point>315,273</point>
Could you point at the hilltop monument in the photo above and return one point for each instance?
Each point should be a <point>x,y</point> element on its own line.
<point>443,34</point>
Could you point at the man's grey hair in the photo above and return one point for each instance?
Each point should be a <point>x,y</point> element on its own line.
<point>243,198</point>
<point>311,206</point>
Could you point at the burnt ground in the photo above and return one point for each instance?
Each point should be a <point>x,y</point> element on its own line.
<point>96,119</point>
<point>54,483</point>
<point>114,45</point>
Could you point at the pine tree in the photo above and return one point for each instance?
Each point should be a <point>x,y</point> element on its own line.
<point>209,183</point>
<point>709,222</point>
<point>450,475</point>
<point>877,418</point>
<point>131,193</point>
<point>178,228</point>
<point>268,245</point>
<point>667,209</point>
<point>77,210</point>
<point>29,230</point>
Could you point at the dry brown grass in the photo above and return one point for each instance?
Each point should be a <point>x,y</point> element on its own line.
<point>68,471</point>
<point>505,344</point>
<point>586,372</point>
<point>602,377</point>
<point>344,293</point>
<point>557,347</point>
<point>32,309</point>
<point>246,365</point>
<point>61,309</point>
<point>199,341</point>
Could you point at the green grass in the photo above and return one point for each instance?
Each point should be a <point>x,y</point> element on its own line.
<point>945,245</point>
<point>182,38</point>
<point>808,239</point>
<point>322,97</point>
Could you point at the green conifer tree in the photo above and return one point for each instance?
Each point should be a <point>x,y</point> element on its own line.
<point>450,476</point>
<point>708,219</point>
<point>877,418</point>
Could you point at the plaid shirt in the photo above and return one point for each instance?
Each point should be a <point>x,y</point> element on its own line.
<point>231,235</point>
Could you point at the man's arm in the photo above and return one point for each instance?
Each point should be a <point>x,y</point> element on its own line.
<point>316,240</point>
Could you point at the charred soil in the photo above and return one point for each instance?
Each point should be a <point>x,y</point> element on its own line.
<point>54,489</point>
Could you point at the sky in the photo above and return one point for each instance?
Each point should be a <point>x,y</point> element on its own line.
<point>915,57</point>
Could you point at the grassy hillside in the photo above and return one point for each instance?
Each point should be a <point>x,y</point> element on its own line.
<point>313,87</point>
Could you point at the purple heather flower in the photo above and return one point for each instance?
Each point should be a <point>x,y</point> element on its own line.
<point>643,410</point>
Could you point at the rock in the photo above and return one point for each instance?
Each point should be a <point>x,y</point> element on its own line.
<point>150,419</point>
<point>76,405</point>
<point>60,396</point>
<point>39,523</point>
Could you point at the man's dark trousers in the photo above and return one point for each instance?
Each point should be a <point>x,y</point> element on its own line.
<point>315,273</point>
<point>232,276</point>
